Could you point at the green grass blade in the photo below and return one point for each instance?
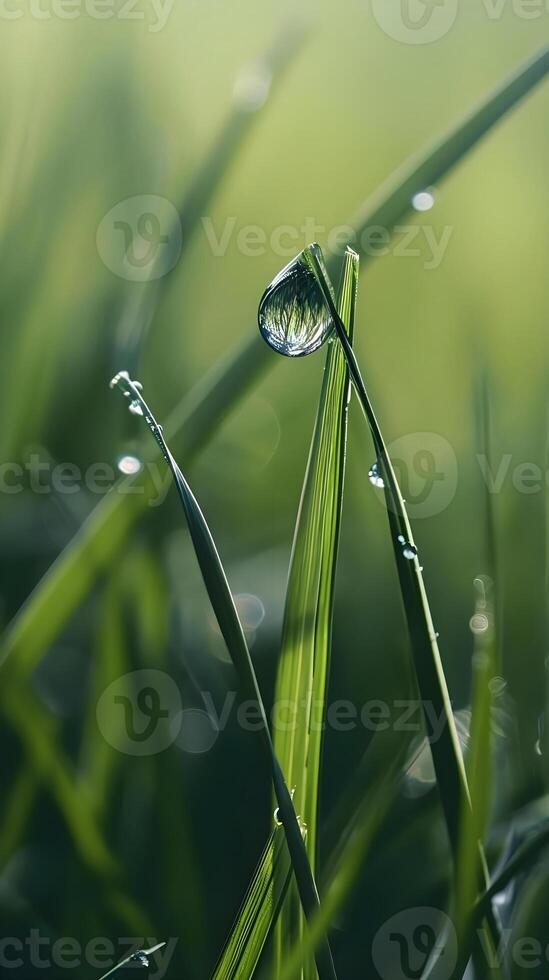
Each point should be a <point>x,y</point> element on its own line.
<point>258,912</point>
<point>394,198</point>
<point>445,747</point>
<point>71,577</point>
<point>305,653</point>
<point>341,884</point>
<point>474,819</point>
<point>226,614</point>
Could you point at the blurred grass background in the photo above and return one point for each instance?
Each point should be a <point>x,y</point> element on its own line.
<point>99,111</point>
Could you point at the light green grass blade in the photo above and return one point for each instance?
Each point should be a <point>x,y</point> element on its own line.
<point>306,639</point>
<point>258,912</point>
<point>229,623</point>
<point>71,577</point>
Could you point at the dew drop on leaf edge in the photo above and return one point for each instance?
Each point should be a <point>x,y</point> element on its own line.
<point>293,317</point>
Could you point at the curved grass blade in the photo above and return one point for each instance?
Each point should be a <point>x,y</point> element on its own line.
<point>306,639</point>
<point>72,575</point>
<point>258,913</point>
<point>226,614</point>
<point>445,746</point>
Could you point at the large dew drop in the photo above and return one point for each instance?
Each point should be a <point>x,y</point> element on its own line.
<point>293,316</point>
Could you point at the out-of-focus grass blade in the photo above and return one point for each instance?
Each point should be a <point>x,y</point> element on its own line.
<point>258,912</point>
<point>474,818</point>
<point>304,659</point>
<point>251,92</point>
<point>226,614</point>
<point>71,577</point>
<point>393,200</point>
<point>522,860</point>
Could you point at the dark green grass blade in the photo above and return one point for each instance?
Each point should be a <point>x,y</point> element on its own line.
<point>71,577</point>
<point>445,746</point>
<point>226,614</point>
<point>306,639</point>
<point>346,874</point>
<point>258,912</point>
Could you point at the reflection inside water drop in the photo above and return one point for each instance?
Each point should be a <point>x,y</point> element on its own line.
<point>375,476</point>
<point>293,316</point>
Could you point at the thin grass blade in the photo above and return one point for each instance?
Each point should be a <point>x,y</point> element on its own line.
<point>305,653</point>
<point>226,614</point>
<point>258,913</point>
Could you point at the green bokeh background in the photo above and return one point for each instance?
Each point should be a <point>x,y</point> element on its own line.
<point>96,112</point>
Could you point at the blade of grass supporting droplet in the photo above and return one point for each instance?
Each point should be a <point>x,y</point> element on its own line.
<point>258,913</point>
<point>226,614</point>
<point>306,638</point>
<point>71,577</point>
<point>445,747</point>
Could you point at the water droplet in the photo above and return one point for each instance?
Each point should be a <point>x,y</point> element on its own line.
<point>401,539</point>
<point>293,316</point>
<point>119,379</point>
<point>140,957</point>
<point>135,407</point>
<point>479,623</point>
<point>537,747</point>
<point>277,819</point>
<point>129,465</point>
<point>375,476</point>
<point>409,550</point>
<point>423,201</point>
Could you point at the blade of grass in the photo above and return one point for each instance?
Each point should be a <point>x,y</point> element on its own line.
<point>258,913</point>
<point>340,887</point>
<point>306,638</point>
<point>197,417</point>
<point>226,614</point>
<point>445,746</point>
<point>474,819</point>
